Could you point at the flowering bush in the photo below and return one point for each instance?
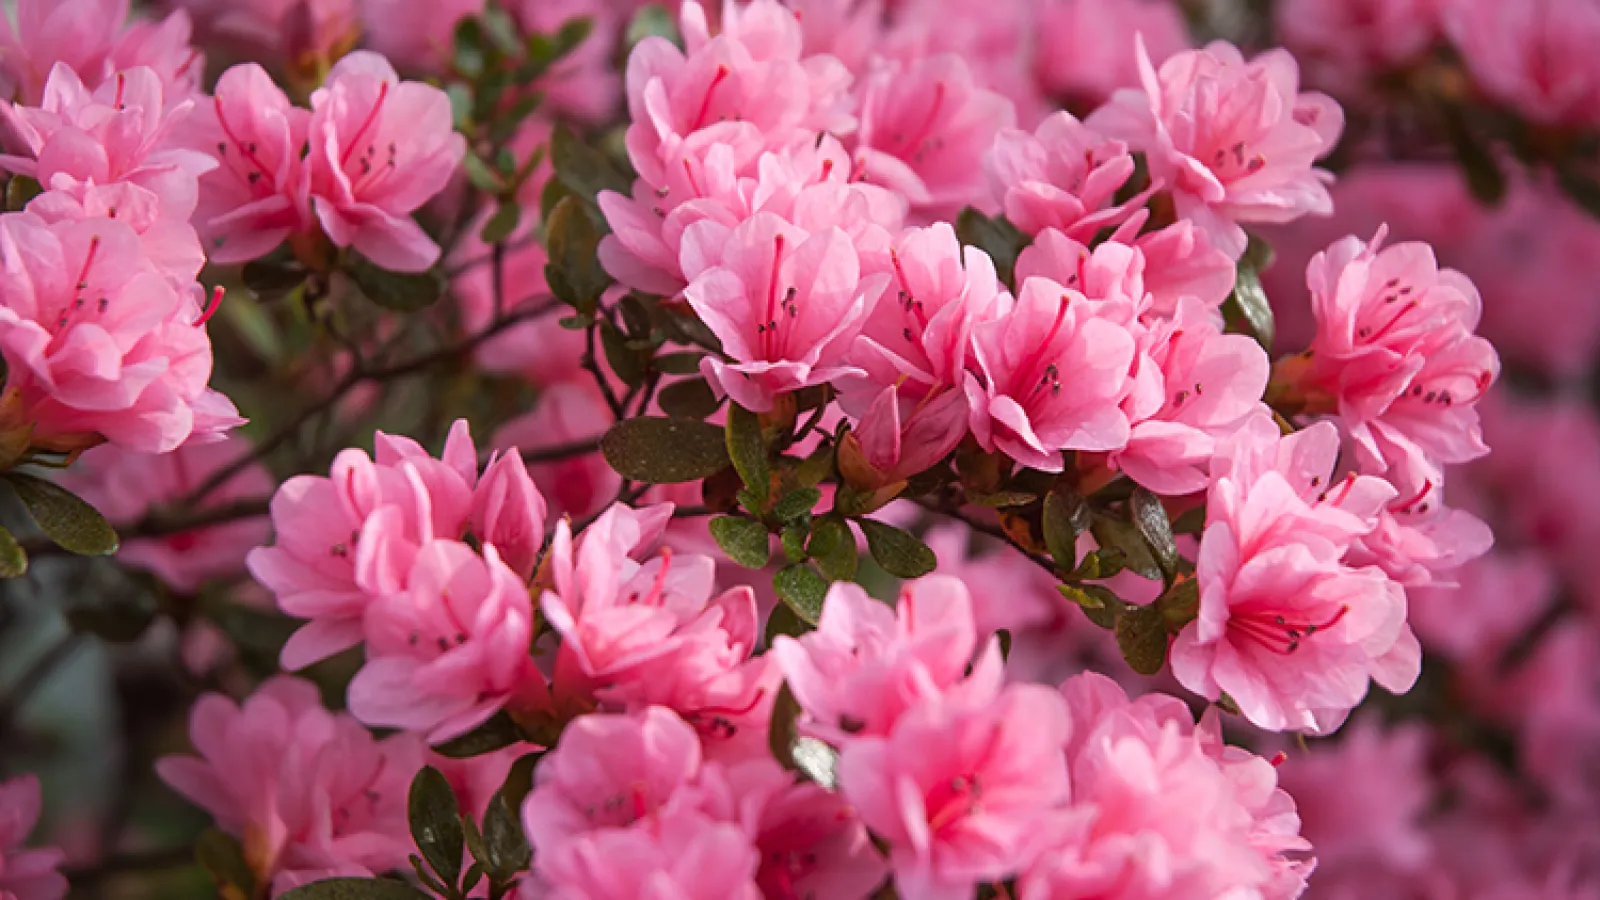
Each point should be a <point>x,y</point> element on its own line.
<point>930,449</point>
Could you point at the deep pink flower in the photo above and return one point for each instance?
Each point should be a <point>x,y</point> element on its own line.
<point>1532,57</point>
<point>1087,49</point>
<point>914,351</point>
<point>1064,176</point>
<point>1054,369</point>
<point>77,33</point>
<point>253,199</point>
<point>925,127</point>
<point>957,790</point>
<point>785,305</point>
<point>1287,629</point>
<point>380,148</point>
<point>1344,44</point>
<point>1234,141</point>
<point>99,342</point>
<point>126,486</point>
<point>309,793</point>
<point>1395,355</point>
<point>25,874</point>
<point>867,664</point>
<point>121,131</point>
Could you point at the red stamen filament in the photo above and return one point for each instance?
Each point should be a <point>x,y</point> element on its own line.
<point>361,133</point>
<point>1276,633</point>
<point>212,307</point>
<point>246,150</point>
<point>705,103</point>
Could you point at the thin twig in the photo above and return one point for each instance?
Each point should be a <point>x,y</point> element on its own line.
<point>987,528</point>
<point>591,362</point>
<point>559,452</point>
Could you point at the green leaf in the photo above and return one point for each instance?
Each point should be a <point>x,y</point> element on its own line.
<point>469,53</point>
<point>802,589</point>
<point>13,560</point>
<point>652,20</point>
<point>1065,517</point>
<point>1180,605</point>
<point>1002,499</point>
<point>519,781</point>
<point>502,224</point>
<point>1098,603</point>
<point>748,451</point>
<point>1142,638</point>
<point>355,889</point>
<point>503,841</point>
<point>20,191</point>
<point>796,503</point>
<point>436,823</point>
<point>585,171</point>
<point>220,855</point>
<point>793,537</point>
<point>74,525</point>
<point>784,729</point>
<point>1247,309</point>
<point>664,451</point>
<point>1150,518</point>
<point>900,553</point>
<point>691,398</point>
<point>833,546</point>
<point>267,278</point>
<point>1190,521</point>
<point>398,291</point>
<point>629,364</point>
<point>1115,533</point>
<point>574,272</point>
<point>783,621</point>
<point>481,176</point>
<point>997,237</point>
<point>683,363</point>
<point>816,468</point>
<point>744,540</point>
<point>497,733</point>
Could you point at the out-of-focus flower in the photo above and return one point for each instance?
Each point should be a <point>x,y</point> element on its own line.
<point>94,39</point>
<point>25,874</point>
<point>1533,57</point>
<point>1087,46</point>
<point>1344,45</point>
<point>300,33</point>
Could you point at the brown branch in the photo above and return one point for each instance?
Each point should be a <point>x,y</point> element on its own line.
<point>987,528</point>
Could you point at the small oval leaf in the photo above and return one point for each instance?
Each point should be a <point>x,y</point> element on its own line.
<point>13,560</point>
<point>664,451</point>
<point>899,552</point>
<point>399,291</point>
<point>74,525</point>
<point>497,733</point>
<point>748,451</point>
<point>802,589</point>
<point>1150,518</point>
<point>1142,638</point>
<point>691,398</point>
<point>744,540</point>
<point>436,823</point>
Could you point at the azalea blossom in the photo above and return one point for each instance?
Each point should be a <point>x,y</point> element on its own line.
<point>25,874</point>
<point>1064,176</point>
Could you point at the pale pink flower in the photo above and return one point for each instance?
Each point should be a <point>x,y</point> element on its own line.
<point>353,535</point>
<point>253,199</point>
<point>958,790</point>
<point>848,30</point>
<point>1532,57</point>
<point>509,512</point>
<point>1180,261</point>
<point>77,33</point>
<point>868,664</point>
<point>1285,628</point>
<point>380,149</point>
<point>309,793</point>
<point>127,486</point>
<point>914,351</point>
<point>995,38</point>
<point>1419,540</point>
<point>1054,369</point>
<point>100,343</point>
<point>121,131</point>
<point>925,127</point>
<point>1345,44</point>
<point>1088,45</point>
<point>784,304</point>
<point>170,245</point>
<point>1064,176</point>
<point>1395,355</point>
<point>25,874</point>
<point>1234,141</point>
<point>688,857</point>
<point>164,47</point>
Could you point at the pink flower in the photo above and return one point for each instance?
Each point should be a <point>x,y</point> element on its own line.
<point>688,857</point>
<point>380,148</point>
<point>1089,45</point>
<point>343,539</point>
<point>1162,809</point>
<point>1344,44</point>
<point>1233,141</point>
<point>1470,623</point>
<point>1063,176</point>
<point>164,48</point>
<point>99,343</point>
<point>77,33</point>
<point>25,874</point>
<point>585,84</point>
<point>309,793</point>
<point>126,486</point>
<point>509,512</point>
<point>567,413</point>
<point>415,38</point>
<point>1419,540</point>
<point>252,200</point>
<point>1531,57</point>
<point>1053,370</point>
<point>868,664</point>
<point>169,244</point>
<point>1395,354</point>
<point>451,649</point>
<point>914,351</point>
<point>1180,261</point>
<point>122,131</point>
<point>957,790</point>
<point>293,31</point>
<point>925,127</point>
<point>784,304</point>
<point>1286,629</point>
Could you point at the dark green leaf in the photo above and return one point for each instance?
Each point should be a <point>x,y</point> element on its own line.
<point>473,876</point>
<point>220,855</point>
<point>834,548</point>
<point>691,398</point>
<point>1142,638</point>
<point>795,504</point>
<point>355,889</point>
<point>1247,308</point>
<point>1180,605</point>
<point>574,271</point>
<point>481,176</point>
<point>900,553</point>
<point>783,621</point>
<point>1126,538</point>
<point>501,30</point>
<point>461,103</point>
<point>748,451</point>
<point>997,237</point>
<point>629,364</point>
<point>399,291</point>
<point>573,32</point>
<point>74,525</point>
<point>504,844</point>
<point>1150,518</point>
<point>519,781</point>
<point>1099,604</point>
<point>20,190</point>
<point>436,823</point>
<point>1002,499</point>
<point>469,48</point>
<point>502,224</point>
<point>684,363</point>
<point>1065,517</point>
<point>496,734</point>
<point>122,616</point>
<point>13,560</point>
<point>664,451</point>
<point>784,729</point>
<point>793,538</point>
<point>802,589</point>
<point>744,540</point>
<point>584,170</point>
<point>816,468</point>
